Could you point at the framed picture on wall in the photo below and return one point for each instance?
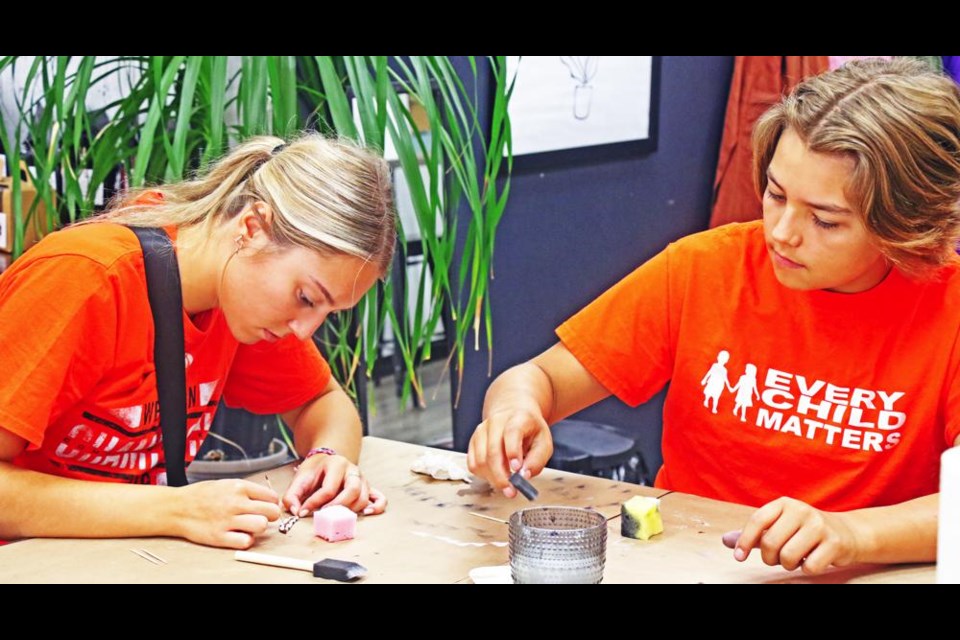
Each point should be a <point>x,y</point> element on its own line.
<point>573,109</point>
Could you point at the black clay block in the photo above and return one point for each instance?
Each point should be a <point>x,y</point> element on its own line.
<point>524,486</point>
<point>341,570</point>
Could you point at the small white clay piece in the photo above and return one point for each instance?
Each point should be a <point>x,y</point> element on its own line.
<point>440,467</point>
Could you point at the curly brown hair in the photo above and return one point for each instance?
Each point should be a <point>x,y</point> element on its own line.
<point>900,122</point>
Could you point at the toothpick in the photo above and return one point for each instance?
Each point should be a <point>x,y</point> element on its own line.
<point>279,497</point>
<point>145,556</point>
<point>153,555</point>
<point>480,515</point>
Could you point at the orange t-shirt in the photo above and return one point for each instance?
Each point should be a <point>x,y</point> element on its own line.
<point>77,375</point>
<point>840,400</point>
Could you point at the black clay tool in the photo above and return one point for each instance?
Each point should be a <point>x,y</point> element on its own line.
<point>523,486</point>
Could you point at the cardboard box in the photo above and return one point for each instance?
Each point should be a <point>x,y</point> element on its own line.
<point>38,220</point>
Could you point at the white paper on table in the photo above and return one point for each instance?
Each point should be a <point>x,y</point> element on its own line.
<point>491,575</point>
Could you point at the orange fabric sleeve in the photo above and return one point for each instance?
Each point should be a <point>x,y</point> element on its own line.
<point>624,337</point>
<point>58,331</point>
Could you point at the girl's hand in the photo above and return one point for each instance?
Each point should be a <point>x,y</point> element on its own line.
<point>323,480</point>
<point>225,513</point>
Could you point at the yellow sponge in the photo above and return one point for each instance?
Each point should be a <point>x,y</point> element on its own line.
<point>640,518</point>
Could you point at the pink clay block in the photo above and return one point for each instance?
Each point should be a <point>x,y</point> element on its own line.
<point>334,523</point>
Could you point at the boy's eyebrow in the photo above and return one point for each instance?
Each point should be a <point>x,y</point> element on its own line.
<point>832,208</point>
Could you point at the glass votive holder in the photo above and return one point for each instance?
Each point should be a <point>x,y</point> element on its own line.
<point>557,545</point>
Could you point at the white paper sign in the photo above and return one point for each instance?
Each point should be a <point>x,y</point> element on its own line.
<point>560,102</point>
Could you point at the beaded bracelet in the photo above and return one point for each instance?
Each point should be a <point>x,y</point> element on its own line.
<point>324,450</point>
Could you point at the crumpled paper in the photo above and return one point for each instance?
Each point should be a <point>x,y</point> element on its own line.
<point>441,467</point>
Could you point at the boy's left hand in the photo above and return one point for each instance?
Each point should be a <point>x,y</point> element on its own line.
<point>793,534</point>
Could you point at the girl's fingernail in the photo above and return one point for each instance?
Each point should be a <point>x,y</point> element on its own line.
<point>507,491</point>
<point>514,465</point>
<point>525,473</point>
<point>304,513</point>
<point>739,554</point>
<point>368,511</point>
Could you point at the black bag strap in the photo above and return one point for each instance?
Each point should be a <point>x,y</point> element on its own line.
<point>166,304</point>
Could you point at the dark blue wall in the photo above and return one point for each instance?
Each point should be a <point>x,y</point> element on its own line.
<point>572,231</point>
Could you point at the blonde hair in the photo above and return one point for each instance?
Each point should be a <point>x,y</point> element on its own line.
<point>328,195</point>
<point>900,123</point>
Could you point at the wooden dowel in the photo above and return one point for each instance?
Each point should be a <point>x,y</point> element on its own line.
<point>273,561</point>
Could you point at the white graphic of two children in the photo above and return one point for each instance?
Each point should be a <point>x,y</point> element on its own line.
<point>716,380</point>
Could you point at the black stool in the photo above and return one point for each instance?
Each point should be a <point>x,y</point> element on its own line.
<point>595,449</point>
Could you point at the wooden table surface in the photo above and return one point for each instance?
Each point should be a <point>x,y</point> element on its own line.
<point>428,535</point>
